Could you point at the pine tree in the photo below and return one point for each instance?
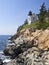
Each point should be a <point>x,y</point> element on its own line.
<point>48,12</point>
<point>42,13</point>
<point>26,22</point>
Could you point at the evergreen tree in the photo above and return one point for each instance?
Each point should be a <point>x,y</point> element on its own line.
<point>48,12</point>
<point>26,22</point>
<point>42,13</point>
<point>19,28</point>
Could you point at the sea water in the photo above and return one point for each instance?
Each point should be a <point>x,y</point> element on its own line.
<point>3,43</point>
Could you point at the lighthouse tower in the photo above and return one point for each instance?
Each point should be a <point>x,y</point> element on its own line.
<point>29,18</point>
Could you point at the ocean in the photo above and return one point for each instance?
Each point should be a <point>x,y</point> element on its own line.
<point>3,43</point>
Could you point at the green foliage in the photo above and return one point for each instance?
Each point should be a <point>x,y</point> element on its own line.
<point>42,13</point>
<point>35,25</point>
<point>26,22</point>
<point>48,12</point>
<point>42,23</point>
<point>19,28</point>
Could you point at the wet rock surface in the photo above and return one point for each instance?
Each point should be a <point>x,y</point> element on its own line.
<point>1,62</point>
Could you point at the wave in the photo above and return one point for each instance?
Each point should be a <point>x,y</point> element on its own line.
<point>3,43</point>
<point>4,58</point>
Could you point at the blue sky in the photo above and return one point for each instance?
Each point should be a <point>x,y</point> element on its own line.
<point>14,12</point>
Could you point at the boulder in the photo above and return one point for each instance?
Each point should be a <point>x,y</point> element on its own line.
<point>12,51</point>
<point>1,62</point>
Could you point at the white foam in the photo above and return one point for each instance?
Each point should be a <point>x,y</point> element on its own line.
<point>6,60</point>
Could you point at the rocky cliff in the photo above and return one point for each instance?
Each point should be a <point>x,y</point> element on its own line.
<point>29,47</point>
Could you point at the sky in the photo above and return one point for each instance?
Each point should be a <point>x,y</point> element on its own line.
<point>14,12</point>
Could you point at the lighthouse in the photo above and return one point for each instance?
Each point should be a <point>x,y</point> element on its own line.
<point>29,17</point>
<point>32,17</point>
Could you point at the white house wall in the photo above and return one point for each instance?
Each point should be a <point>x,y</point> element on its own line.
<point>32,18</point>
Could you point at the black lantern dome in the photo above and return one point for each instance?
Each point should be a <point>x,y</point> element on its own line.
<point>30,13</point>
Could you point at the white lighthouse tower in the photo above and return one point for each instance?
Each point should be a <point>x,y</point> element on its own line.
<point>29,18</point>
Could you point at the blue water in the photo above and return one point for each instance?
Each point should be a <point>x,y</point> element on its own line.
<point>3,41</point>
